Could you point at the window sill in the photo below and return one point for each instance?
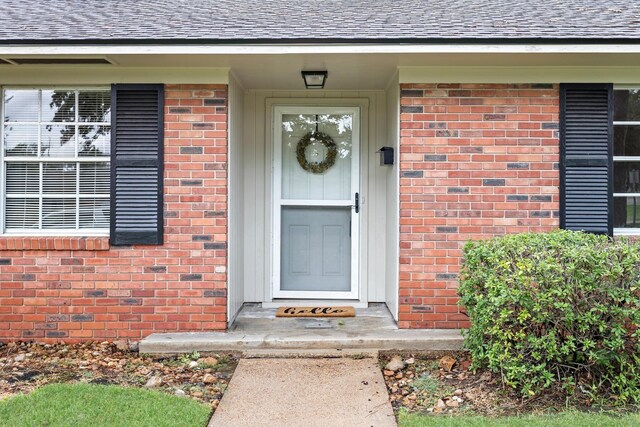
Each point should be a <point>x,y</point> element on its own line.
<point>48,243</point>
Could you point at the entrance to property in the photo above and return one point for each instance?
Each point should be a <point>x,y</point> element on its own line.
<point>316,185</point>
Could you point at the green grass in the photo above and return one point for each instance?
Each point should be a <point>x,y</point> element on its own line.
<point>96,406</point>
<point>567,419</point>
<point>429,389</point>
<point>426,383</point>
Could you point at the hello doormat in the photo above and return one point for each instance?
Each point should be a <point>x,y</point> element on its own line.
<point>316,312</point>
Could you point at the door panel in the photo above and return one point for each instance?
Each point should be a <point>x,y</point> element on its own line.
<point>316,249</point>
<point>315,239</point>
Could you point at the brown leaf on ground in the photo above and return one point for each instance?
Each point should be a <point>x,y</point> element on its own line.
<point>447,363</point>
<point>27,366</point>
<point>445,388</point>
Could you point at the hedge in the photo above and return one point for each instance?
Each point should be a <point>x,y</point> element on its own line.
<point>559,308</point>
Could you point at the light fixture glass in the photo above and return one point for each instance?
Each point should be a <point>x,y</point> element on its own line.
<point>314,79</point>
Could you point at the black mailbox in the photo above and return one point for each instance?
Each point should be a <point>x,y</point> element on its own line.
<point>386,156</point>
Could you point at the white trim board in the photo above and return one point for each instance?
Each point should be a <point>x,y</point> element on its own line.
<point>314,48</point>
<point>235,200</point>
<point>258,179</point>
<point>392,222</point>
<point>107,74</point>
<point>313,303</point>
<point>626,231</point>
<point>524,74</point>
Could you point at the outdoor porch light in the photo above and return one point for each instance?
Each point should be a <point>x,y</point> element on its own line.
<point>314,79</point>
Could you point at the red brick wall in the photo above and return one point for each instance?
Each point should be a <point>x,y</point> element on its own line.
<point>477,161</point>
<point>80,288</point>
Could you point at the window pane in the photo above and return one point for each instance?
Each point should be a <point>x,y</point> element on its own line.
<point>23,178</point>
<point>58,141</point>
<point>626,105</point>
<point>59,178</point>
<point>94,141</point>
<point>626,212</point>
<point>21,140</point>
<point>334,183</point>
<point>58,106</point>
<point>21,105</point>
<point>626,177</point>
<point>59,213</point>
<point>21,213</point>
<point>94,213</point>
<point>626,140</point>
<point>94,106</point>
<point>94,178</point>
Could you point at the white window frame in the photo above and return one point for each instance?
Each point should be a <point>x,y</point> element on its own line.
<point>53,232</point>
<point>622,231</point>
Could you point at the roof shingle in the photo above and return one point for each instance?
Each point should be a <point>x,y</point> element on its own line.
<point>315,20</point>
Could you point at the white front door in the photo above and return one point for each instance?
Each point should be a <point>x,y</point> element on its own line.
<point>316,202</point>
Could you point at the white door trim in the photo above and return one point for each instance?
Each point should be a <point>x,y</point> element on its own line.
<point>278,202</point>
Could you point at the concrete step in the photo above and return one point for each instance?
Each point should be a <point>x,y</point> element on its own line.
<point>311,339</point>
<point>352,353</point>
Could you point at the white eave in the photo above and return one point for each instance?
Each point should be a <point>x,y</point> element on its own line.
<point>275,49</point>
<point>350,66</point>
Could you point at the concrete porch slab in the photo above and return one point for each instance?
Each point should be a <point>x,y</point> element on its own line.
<point>256,328</point>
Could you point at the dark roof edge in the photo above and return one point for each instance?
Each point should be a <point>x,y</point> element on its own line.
<point>316,41</point>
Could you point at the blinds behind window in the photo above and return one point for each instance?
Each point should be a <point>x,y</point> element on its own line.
<point>56,154</point>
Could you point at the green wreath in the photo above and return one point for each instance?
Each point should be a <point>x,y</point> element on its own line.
<point>330,158</point>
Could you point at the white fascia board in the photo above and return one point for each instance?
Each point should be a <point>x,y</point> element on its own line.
<point>107,74</point>
<point>524,74</point>
<point>247,49</point>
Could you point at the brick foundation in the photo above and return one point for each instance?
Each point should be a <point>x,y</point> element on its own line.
<point>476,161</point>
<point>80,288</point>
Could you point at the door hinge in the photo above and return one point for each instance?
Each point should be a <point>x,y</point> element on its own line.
<point>357,205</point>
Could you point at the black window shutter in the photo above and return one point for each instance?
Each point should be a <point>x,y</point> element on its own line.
<point>586,157</point>
<point>137,135</point>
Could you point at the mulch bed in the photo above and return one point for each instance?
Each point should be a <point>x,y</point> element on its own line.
<point>427,382</point>
<point>441,383</point>
<point>27,366</point>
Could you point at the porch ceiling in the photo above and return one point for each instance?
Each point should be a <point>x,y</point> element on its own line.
<point>353,71</point>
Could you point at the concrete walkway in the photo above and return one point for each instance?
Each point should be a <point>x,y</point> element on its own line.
<point>305,392</point>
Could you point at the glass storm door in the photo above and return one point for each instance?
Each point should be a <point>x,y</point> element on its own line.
<point>316,184</point>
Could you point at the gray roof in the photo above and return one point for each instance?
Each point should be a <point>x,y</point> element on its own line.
<point>216,21</point>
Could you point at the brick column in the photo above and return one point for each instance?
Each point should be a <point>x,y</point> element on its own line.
<point>477,161</point>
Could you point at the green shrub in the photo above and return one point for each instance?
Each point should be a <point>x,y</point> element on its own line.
<point>559,308</point>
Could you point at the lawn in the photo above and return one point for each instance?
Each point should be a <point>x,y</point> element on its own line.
<point>568,419</point>
<point>98,405</point>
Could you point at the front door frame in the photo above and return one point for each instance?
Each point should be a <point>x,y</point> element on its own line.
<point>278,202</point>
<point>358,296</point>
